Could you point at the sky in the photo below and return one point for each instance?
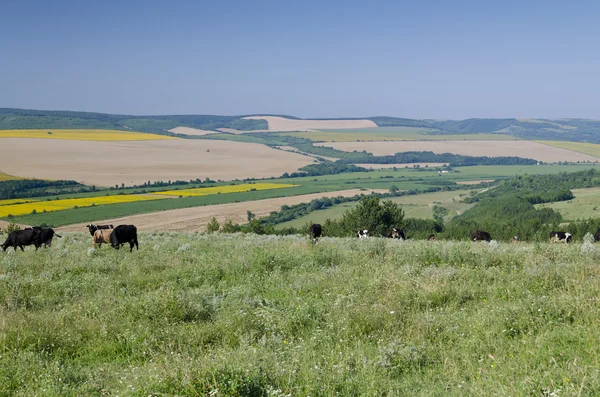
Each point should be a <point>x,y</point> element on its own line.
<point>310,59</point>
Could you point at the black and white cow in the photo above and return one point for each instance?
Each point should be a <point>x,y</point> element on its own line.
<point>314,231</point>
<point>395,233</point>
<point>557,237</point>
<point>363,233</point>
<point>480,235</point>
<point>124,234</point>
<point>92,228</point>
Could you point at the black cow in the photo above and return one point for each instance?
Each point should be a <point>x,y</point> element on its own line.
<point>92,228</point>
<point>556,237</point>
<point>363,233</point>
<point>44,235</point>
<point>395,233</point>
<point>597,236</point>
<point>480,235</point>
<point>124,234</point>
<point>431,237</point>
<point>20,238</point>
<point>314,231</point>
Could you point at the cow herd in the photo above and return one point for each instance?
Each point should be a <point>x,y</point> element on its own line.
<point>101,234</point>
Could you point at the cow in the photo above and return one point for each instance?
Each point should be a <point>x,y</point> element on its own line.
<point>431,237</point>
<point>480,235</point>
<point>45,235</point>
<point>314,231</point>
<point>597,236</point>
<point>556,237</point>
<point>123,234</point>
<point>20,238</point>
<point>92,228</point>
<point>395,233</point>
<point>100,237</point>
<point>363,233</point>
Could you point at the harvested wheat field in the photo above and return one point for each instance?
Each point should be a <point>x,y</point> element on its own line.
<point>110,163</point>
<point>195,219</point>
<point>82,135</point>
<point>283,124</point>
<point>525,149</point>
<point>191,131</point>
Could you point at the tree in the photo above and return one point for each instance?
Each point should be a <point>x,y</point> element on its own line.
<point>250,215</point>
<point>213,226</point>
<point>394,189</point>
<point>373,215</point>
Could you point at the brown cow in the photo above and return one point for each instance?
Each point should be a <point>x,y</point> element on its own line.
<point>101,237</point>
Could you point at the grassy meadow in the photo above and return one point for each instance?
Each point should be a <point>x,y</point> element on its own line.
<point>593,149</point>
<point>242,187</point>
<point>585,205</point>
<point>414,206</point>
<point>234,315</point>
<point>83,135</point>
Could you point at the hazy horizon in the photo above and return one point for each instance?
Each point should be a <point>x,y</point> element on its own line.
<point>431,60</point>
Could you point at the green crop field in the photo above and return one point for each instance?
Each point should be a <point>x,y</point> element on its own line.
<point>414,206</point>
<point>217,315</point>
<point>6,177</point>
<point>392,134</point>
<point>586,204</point>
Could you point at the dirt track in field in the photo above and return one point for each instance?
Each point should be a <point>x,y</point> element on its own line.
<point>195,219</point>
<point>283,124</point>
<point>525,149</point>
<point>135,162</point>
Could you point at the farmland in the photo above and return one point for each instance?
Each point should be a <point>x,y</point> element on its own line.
<point>526,149</point>
<point>391,134</point>
<point>58,205</point>
<point>592,149</point>
<point>136,162</point>
<point>205,191</point>
<point>192,314</point>
<point>586,204</point>
<point>82,135</point>
<point>417,206</point>
<point>6,177</point>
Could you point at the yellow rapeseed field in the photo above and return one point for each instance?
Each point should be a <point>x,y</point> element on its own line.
<point>57,205</point>
<point>83,135</point>
<point>592,149</point>
<point>205,191</point>
<point>17,201</point>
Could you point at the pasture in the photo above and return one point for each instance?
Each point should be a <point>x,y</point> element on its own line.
<point>586,204</point>
<point>414,206</point>
<point>391,134</point>
<point>233,315</point>
<point>525,149</point>
<point>592,149</point>
<point>83,135</point>
<point>135,162</point>
<point>6,177</point>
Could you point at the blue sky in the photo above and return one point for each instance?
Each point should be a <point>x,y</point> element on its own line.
<point>415,59</point>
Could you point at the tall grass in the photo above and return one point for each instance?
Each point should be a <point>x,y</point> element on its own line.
<point>233,315</point>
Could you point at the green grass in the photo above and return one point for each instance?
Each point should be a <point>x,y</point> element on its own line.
<point>392,134</point>
<point>414,206</point>
<point>265,316</point>
<point>6,177</point>
<point>586,204</point>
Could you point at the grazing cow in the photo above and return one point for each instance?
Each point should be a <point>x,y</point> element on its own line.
<point>20,238</point>
<point>92,228</point>
<point>123,234</point>
<point>314,231</point>
<point>597,236</point>
<point>101,237</point>
<point>363,233</point>
<point>480,235</point>
<point>431,237</point>
<point>44,235</point>
<point>556,237</point>
<point>395,233</point>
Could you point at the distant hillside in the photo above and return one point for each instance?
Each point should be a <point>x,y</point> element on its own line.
<point>578,130</point>
<point>34,119</point>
